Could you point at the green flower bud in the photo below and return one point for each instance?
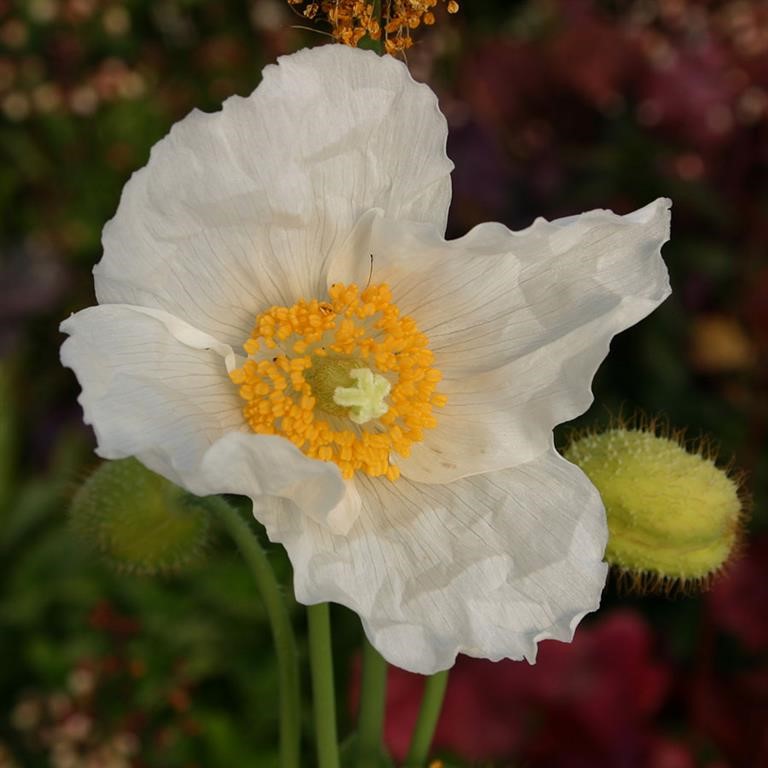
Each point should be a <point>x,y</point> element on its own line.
<point>139,521</point>
<point>674,517</point>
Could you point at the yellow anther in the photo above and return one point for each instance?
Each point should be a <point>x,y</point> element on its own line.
<point>340,350</point>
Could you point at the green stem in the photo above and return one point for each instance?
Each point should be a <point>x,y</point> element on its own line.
<point>321,661</point>
<point>372,703</point>
<point>381,15</point>
<point>431,704</point>
<point>282,631</point>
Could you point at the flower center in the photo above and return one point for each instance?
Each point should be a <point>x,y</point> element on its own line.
<point>346,387</point>
<point>347,380</point>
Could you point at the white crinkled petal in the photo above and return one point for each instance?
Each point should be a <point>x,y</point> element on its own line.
<point>504,417</point>
<point>241,209</point>
<point>237,469</point>
<point>519,322</point>
<point>487,566</point>
<point>156,388</point>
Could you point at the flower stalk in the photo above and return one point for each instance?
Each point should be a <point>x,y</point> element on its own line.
<point>282,631</point>
<point>321,661</point>
<point>372,706</point>
<point>382,14</point>
<point>429,714</point>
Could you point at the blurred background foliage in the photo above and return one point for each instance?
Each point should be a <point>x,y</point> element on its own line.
<point>554,106</point>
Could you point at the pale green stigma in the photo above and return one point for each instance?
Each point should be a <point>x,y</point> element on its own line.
<point>365,400</point>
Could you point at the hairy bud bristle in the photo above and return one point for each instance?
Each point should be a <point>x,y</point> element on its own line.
<point>138,521</point>
<point>674,516</point>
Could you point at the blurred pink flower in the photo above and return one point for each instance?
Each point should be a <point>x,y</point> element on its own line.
<point>593,58</point>
<point>730,711</point>
<point>738,599</point>
<point>665,753</point>
<point>585,704</point>
<point>690,95</point>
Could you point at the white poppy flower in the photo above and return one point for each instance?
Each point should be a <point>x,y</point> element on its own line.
<point>392,416</point>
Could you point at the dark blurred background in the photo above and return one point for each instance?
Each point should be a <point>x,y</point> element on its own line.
<point>554,106</point>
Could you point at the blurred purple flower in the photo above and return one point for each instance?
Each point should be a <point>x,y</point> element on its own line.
<point>32,279</point>
<point>481,180</point>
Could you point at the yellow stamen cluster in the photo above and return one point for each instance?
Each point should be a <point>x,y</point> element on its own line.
<point>291,346</point>
<point>352,20</point>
